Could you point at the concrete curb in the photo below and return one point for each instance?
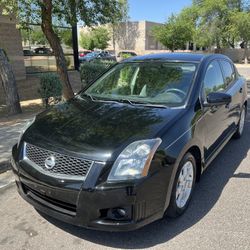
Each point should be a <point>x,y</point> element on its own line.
<point>4,166</point>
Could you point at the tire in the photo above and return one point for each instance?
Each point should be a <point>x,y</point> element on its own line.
<point>241,124</point>
<point>177,206</point>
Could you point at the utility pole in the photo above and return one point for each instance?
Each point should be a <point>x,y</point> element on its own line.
<point>75,46</point>
<point>75,35</point>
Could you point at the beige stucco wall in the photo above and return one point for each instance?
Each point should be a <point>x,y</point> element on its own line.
<point>28,88</point>
<point>151,43</point>
<point>10,41</point>
<point>139,34</point>
<point>133,36</point>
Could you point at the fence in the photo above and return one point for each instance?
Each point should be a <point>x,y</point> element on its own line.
<point>38,56</point>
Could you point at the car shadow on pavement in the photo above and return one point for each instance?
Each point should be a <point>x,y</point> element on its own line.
<point>206,194</point>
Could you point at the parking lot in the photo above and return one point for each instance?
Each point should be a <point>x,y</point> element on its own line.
<point>217,218</point>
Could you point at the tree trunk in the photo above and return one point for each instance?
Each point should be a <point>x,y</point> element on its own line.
<point>114,39</point>
<point>9,85</point>
<point>245,52</point>
<point>194,47</point>
<point>56,47</point>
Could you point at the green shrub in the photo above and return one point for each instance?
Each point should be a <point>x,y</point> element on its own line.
<point>91,70</point>
<point>126,56</point>
<point>50,88</point>
<point>68,61</point>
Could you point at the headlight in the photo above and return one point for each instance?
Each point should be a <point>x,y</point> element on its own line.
<point>134,161</point>
<point>26,126</point>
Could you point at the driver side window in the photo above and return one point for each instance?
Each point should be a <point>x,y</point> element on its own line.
<point>213,80</point>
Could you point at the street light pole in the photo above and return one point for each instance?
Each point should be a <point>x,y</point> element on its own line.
<point>74,34</point>
<point>75,46</point>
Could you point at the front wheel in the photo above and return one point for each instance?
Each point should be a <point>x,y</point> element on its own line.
<point>183,186</point>
<point>241,124</point>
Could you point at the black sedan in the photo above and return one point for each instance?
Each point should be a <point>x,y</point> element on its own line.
<point>129,148</point>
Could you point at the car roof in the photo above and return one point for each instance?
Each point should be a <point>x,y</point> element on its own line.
<point>189,57</point>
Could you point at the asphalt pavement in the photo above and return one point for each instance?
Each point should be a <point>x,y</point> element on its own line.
<point>218,216</point>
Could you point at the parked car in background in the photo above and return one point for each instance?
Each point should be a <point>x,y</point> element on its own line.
<point>43,51</point>
<point>124,55</point>
<point>83,53</point>
<point>28,52</point>
<point>130,147</point>
<point>98,55</point>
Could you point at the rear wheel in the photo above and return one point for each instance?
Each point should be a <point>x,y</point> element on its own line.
<point>183,186</point>
<point>241,124</point>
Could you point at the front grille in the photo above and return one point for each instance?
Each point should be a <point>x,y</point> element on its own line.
<point>65,165</point>
<point>55,204</point>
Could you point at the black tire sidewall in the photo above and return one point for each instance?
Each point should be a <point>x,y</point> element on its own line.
<point>237,134</point>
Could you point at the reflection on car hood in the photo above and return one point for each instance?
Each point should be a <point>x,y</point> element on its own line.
<point>96,130</point>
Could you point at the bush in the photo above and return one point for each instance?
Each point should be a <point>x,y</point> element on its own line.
<point>50,88</point>
<point>126,56</point>
<point>91,70</point>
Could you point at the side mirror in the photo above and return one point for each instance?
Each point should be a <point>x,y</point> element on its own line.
<point>218,98</point>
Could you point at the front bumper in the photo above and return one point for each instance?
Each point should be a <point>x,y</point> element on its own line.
<point>88,204</point>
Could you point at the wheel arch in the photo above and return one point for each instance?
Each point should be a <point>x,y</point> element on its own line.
<point>196,152</point>
<point>195,149</point>
<point>245,103</point>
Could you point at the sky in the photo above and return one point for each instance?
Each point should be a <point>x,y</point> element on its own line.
<point>155,10</point>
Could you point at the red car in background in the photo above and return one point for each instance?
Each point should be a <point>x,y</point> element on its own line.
<point>83,53</point>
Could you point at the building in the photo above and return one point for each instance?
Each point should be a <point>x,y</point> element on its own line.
<point>137,37</point>
<point>11,42</point>
<point>134,36</point>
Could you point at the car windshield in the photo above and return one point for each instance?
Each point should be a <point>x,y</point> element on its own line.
<point>163,83</point>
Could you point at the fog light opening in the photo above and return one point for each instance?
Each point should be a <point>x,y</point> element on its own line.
<point>118,213</point>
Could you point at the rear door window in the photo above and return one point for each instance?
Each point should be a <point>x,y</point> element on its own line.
<point>213,80</point>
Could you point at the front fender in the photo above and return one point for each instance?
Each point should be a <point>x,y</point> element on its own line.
<point>176,151</point>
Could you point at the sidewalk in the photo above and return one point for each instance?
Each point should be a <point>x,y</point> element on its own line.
<point>9,134</point>
<point>10,128</point>
<point>244,70</point>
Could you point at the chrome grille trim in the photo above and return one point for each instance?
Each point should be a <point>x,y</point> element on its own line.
<point>67,167</point>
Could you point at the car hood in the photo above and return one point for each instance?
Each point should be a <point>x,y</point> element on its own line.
<point>97,130</point>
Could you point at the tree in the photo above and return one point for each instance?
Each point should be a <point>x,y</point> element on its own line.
<point>214,22</point>
<point>174,34</point>
<point>241,28</point>
<point>9,85</point>
<point>91,12</point>
<point>65,36</point>
<point>97,38</point>
<point>86,41</point>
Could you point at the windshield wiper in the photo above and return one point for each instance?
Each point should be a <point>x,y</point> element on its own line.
<point>154,105</point>
<point>94,99</point>
<point>141,103</point>
<point>90,96</point>
<point>126,101</point>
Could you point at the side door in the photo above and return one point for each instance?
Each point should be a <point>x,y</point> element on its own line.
<point>215,117</point>
<point>234,87</point>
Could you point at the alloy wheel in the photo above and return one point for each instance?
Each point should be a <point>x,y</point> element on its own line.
<point>184,184</point>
